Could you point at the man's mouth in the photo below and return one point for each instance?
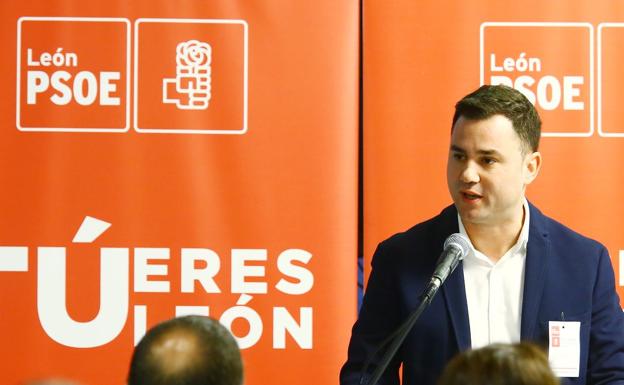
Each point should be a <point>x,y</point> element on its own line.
<point>470,195</point>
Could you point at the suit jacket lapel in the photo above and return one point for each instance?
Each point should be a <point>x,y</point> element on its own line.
<point>455,296</point>
<point>538,249</point>
<point>453,290</point>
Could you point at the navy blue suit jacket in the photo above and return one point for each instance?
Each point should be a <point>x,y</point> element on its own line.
<point>564,273</point>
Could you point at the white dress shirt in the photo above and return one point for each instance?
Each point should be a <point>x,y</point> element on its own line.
<point>494,290</point>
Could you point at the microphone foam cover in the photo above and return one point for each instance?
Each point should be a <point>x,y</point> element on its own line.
<point>460,241</point>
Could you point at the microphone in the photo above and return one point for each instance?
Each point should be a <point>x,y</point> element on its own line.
<point>456,247</point>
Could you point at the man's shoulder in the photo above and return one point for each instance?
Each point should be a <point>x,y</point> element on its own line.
<point>430,230</point>
<point>559,233</point>
<point>418,247</point>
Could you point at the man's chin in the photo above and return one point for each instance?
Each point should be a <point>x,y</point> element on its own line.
<point>469,214</point>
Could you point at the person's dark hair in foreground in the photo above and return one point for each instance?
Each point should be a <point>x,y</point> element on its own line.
<point>190,350</point>
<point>500,364</point>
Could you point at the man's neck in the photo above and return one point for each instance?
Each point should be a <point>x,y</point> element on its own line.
<point>495,240</point>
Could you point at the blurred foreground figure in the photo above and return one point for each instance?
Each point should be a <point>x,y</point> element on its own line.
<point>500,364</point>
<point>191,350</point>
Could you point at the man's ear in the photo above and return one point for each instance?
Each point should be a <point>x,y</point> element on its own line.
<point>532,165</point>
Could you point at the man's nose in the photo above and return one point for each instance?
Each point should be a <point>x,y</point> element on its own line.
<point>469,174</point>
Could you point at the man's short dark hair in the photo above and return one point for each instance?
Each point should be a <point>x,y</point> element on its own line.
<point>488,101</point>
<point>190,350</point>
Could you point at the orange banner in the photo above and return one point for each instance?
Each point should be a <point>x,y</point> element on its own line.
<point>420,59</point>
<point>159,161</point>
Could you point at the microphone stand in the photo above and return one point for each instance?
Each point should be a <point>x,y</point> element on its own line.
<point>404,329</point>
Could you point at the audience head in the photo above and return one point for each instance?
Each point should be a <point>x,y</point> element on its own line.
<point>190,350</point>
<point>500,364</point>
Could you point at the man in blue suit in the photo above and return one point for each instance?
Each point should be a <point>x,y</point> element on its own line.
<point>525,273</point>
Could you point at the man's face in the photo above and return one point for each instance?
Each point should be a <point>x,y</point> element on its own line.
<point>487,171</point>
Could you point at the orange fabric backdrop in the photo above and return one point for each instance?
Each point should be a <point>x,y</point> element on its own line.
<point>420,58</point>
<point>286,181</point>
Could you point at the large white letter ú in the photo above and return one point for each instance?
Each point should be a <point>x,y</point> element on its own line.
<point>51,292</point>
<point>51,298</point>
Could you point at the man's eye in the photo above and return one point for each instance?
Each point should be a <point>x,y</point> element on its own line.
<point>458,156</point>
<point>489,161</point>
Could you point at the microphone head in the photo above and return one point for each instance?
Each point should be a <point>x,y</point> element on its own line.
<point>459,241</point>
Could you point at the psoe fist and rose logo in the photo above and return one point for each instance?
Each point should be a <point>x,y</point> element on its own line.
<point>189,77</point>
<point>191,85</point>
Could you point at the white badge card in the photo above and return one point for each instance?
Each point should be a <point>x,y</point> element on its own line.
<point>564,348</point>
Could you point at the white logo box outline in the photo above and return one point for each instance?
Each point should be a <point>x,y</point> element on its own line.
<point>79,19</point>
<point>590,28</point>
<point>602,26</point>
<point>243,130</point>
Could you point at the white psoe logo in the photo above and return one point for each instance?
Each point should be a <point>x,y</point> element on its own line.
<point>193,76</point>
